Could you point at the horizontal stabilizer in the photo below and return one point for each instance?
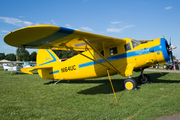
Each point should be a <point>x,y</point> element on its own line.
<point>28,69</point>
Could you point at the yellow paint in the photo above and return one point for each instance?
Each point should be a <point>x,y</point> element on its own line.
<point>49,65</point>
<point>30,34</point>
<point>69,69</point>
<point>129,85</point>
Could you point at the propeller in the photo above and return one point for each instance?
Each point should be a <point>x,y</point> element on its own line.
<point>171,48</point>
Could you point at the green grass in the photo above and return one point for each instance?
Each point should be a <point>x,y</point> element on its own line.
<point>30,97</point>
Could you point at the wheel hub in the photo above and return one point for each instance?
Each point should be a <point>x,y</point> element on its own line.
<point>129,85</point>
<point>144,80</point>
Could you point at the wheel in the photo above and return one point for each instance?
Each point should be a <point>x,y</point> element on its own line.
<point>130,84</point>
<point>164,66</point>
<point>167,67</point>
<point>146,79</point>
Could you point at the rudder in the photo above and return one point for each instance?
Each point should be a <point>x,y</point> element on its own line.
<point>46,59</point>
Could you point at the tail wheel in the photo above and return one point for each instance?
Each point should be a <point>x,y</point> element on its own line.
<point>144,80</point>
<point>130,84</point>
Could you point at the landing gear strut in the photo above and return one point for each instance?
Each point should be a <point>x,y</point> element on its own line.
<point>130,84</point>
<point>144,78</point>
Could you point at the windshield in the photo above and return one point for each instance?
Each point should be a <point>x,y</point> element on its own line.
<point>135,43</point>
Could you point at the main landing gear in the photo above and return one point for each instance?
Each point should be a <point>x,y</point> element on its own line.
<point>144,78</point>
<point>131,84</point>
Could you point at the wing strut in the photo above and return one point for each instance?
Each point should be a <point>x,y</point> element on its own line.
<point>92,59</point>
<point>114,68</point>
<point>112,86</point>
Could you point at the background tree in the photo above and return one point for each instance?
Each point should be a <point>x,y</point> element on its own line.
<point>26,56</point>
<point>71,54</point>
<point>23,54</point>
<point>63,54</point>
<point>2,56</point>
<point>11,57</point>
<point>58,53</point>
<point>174,57</point>
<point>33,56</point>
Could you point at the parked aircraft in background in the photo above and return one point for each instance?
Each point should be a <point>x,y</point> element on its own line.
<point>16,66</point>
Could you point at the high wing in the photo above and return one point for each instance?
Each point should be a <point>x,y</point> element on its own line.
<point>60,38</point>
<point>54,37</point>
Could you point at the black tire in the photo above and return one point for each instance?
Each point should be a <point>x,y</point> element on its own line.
<point>147,79</point>
<point>130,84</point>
<point>167,67</point>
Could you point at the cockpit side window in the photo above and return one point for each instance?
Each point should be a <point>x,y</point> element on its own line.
<point>127,46</point>
<point>135,43</point>
<point>102,52</point>
<point>113,50</point>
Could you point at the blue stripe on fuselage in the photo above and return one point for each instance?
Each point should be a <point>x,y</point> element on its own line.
<point>57,71</point>
<point>161,47</point>
<point>121,56</point>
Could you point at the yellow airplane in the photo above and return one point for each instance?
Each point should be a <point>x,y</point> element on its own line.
<point>98,55</point>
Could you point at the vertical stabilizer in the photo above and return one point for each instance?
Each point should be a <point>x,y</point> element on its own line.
<point>46,58</point>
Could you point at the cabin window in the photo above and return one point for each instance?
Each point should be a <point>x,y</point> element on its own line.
<point>135,43</point>
<point>127,46</point>
<point>113,50</point>
<point>102,52</point>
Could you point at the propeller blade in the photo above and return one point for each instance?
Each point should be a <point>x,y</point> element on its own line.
<point>170,42</point>
<point>171,48</point>
<point>173,61</point>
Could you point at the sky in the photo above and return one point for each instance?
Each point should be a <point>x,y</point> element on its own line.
<point>138,19</point>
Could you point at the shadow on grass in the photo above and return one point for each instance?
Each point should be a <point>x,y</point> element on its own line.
<point>14,73</point>
<point>164,78</point>
<point>104,86</point>
<point>17,73</point>
<point>21,73</point>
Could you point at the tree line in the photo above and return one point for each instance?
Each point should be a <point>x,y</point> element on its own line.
<point>24,55</point>
<point>21,54</point>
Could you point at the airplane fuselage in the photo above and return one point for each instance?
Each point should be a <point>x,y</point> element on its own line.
<point>127,57</point>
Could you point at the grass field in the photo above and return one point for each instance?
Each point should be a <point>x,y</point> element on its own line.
<point>30,97</point>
